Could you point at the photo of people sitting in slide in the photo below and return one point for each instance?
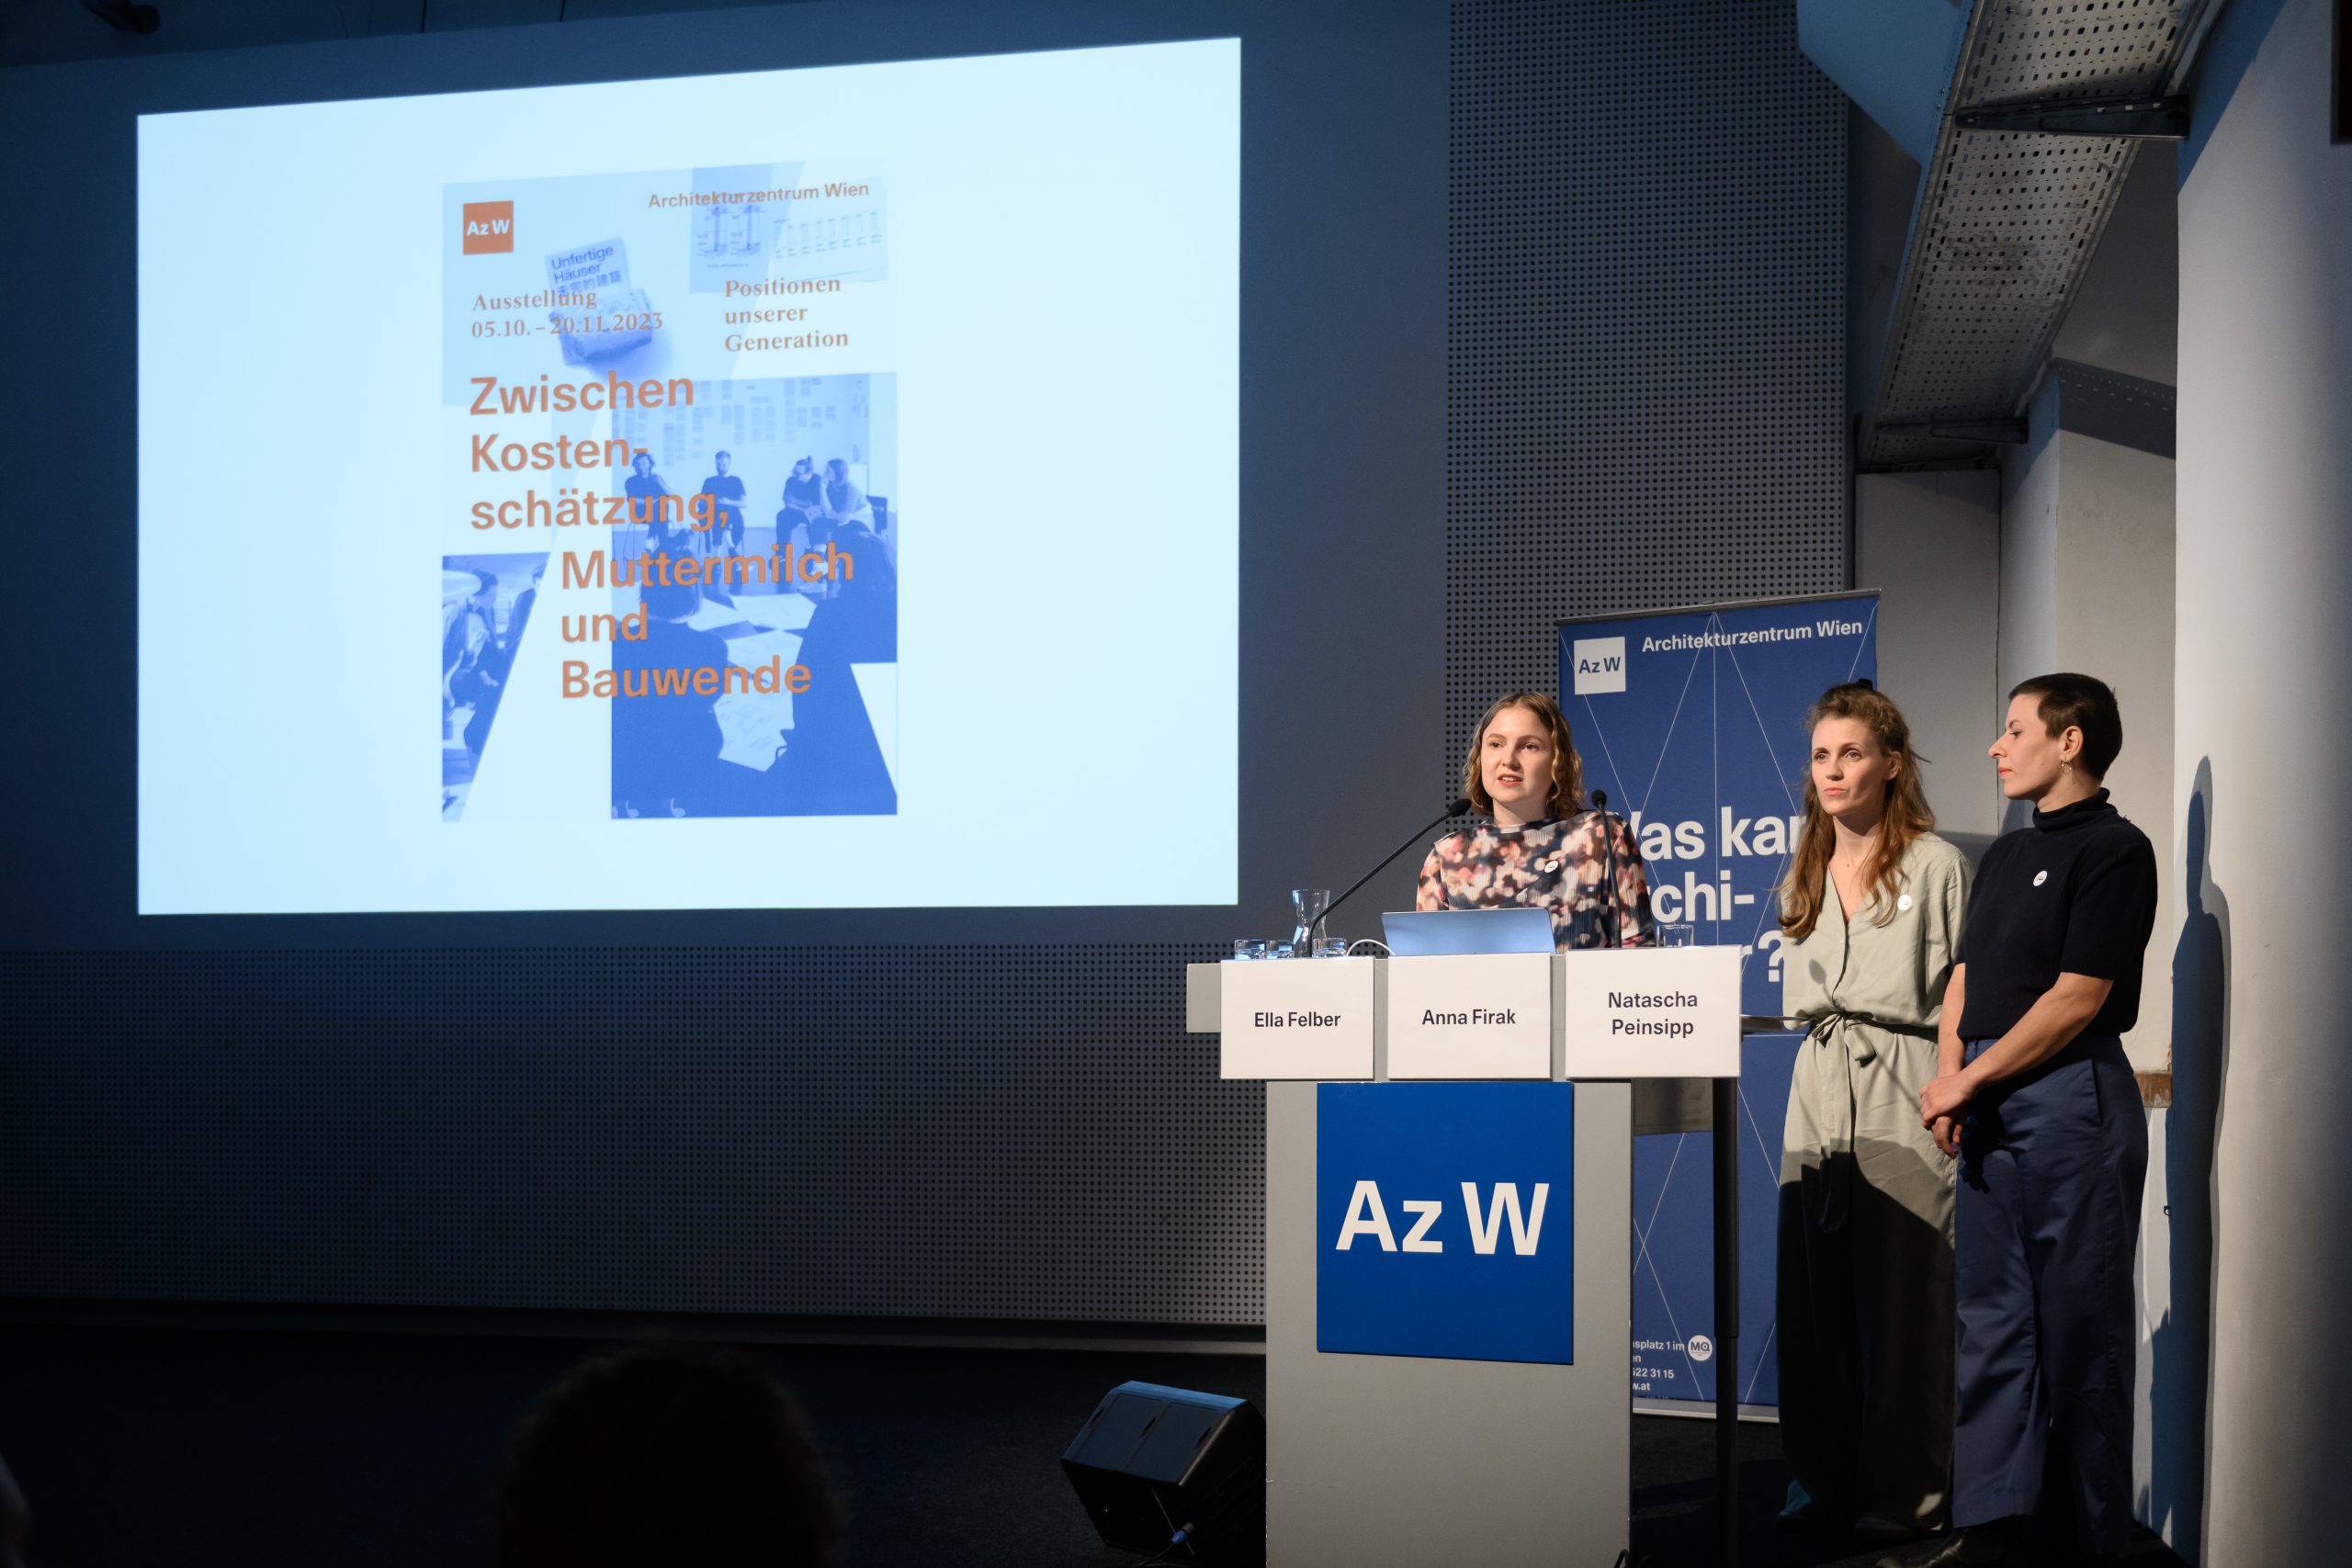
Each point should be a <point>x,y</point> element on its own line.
<point>753,623</point>
<point>486,603</point>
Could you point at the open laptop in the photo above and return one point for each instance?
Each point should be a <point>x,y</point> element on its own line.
<point>1431,933</point>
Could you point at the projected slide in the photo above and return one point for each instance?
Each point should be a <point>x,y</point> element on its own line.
<point>809,488</point>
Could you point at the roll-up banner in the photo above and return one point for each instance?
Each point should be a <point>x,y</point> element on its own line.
<point>1692,722</point>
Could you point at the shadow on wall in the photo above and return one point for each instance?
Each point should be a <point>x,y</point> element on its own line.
<point>2182,1346</point>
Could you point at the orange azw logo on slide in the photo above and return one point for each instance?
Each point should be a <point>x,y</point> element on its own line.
<point>489,226</point>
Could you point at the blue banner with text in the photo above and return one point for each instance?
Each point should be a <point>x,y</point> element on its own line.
<point>1692,723</point>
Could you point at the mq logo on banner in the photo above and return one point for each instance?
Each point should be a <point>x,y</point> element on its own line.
<point>1444,1220</point>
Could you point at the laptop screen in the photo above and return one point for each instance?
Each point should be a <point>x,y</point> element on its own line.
<point>1428,933</point>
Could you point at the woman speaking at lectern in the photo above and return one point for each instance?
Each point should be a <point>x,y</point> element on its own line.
<point>1870,910</point>
<point>1542,849</point>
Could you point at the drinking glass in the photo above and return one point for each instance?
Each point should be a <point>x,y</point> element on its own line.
<point>1245,947</point>
<point>1684,935</point>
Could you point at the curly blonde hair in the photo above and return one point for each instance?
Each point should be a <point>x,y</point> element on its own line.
<point>1567,768</point>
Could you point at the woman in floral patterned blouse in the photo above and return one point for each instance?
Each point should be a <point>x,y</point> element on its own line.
<point>1543,850</point>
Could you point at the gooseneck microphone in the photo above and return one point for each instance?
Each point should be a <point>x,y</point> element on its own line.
<point>1460,806</point>
<point>1609,857</point>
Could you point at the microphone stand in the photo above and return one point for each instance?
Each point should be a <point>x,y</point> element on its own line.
<point>1454,809</point>
<point>1616,933</point>
<point>1723,1119</point>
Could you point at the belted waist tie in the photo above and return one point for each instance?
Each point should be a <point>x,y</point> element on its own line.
<point>1832,1029</point>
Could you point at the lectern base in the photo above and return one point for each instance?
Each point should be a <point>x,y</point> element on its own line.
<point>1403,1461</point>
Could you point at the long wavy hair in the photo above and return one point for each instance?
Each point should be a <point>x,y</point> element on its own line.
<point>1903,818</point>
<point>1567,768</point>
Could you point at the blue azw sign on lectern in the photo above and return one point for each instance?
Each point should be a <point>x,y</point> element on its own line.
<point>1444,1220</point>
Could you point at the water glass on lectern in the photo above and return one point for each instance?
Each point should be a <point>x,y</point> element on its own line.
<point>1310,905</point>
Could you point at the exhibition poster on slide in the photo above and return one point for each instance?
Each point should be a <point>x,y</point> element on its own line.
<point>672,496</point>
<point>803,489</point>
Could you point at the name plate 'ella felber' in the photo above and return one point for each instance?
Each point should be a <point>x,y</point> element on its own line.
<point>1296,1018</point>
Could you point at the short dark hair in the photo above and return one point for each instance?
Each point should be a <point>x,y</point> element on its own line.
<point>2078,702</point>
<point>665,1453</point>
<point>722,452</point>
<point>672,601</point>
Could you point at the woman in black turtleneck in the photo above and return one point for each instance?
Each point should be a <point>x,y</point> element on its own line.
<point>2035,1097</point>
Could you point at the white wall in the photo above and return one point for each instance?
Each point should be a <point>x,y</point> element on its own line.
<point>2264,717</point>
<point>1931,545</point>
<point>2115,589</point>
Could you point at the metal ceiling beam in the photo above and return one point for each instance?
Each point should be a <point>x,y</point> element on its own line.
<point>1975,432</point>
<point>2141,119</point>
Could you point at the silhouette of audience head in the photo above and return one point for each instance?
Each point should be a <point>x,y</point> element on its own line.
<point>665,1454</point>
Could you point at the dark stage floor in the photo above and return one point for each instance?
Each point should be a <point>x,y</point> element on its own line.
<point>142,1447</point>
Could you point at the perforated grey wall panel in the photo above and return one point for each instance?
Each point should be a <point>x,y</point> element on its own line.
<point>987,1133</point>
<point>1645,336</point>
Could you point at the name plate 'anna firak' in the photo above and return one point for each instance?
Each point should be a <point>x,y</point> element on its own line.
<point>1487,1016</point>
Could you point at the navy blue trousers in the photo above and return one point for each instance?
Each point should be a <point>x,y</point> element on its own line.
<point>2052,1166</point>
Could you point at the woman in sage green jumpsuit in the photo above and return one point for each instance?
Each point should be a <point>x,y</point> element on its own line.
<point>1864,1319</point>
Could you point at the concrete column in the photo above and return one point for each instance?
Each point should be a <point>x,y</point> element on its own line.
<point>1930,543</point>
<point>2087,584</point>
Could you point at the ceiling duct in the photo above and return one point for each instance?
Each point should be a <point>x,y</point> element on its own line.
<point>2034,124</point>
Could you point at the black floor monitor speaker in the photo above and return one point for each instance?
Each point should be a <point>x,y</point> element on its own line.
<point>1169,1471</point>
